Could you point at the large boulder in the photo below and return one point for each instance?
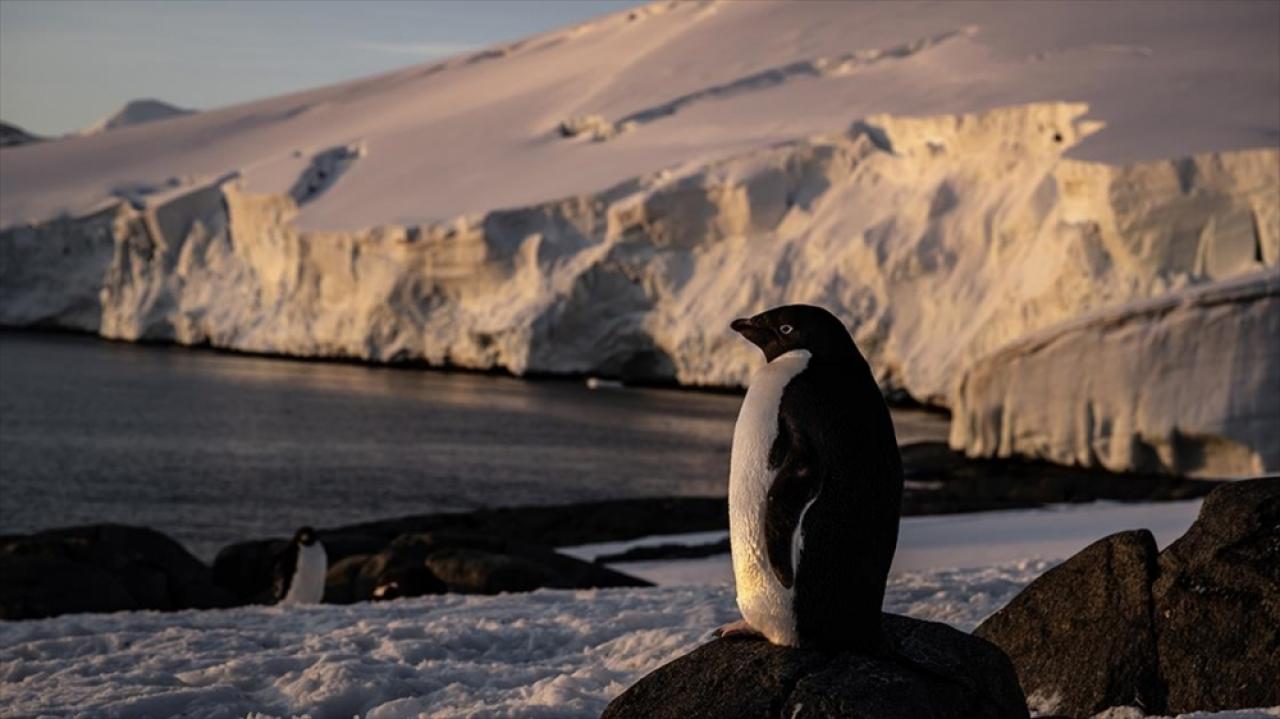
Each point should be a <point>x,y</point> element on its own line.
<point>1081,635</point>
<point>1218,603</point>
<point>246,569</point>
<point>101,568</point>
<point>1195,628</point>
<point>941,673</point>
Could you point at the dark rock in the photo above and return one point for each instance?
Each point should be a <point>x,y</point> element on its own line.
<point>408,582</point>
<point>246,569</point>
<point>475,571</point>
<point>101,568</point>
<point>422,563</point>
<point>340,545</point>
<point>562,525</point>
<point>339,581</point>
<point>942,673</point>
<point>1195,629</point>
<point>35,587</point>
<point>1218,603</point>
<point>1082,635</point>
<point>11,135</point>
<point>406,559</point>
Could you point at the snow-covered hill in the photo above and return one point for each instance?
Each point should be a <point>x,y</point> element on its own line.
<point>136,112</point>
<point>947,177</point>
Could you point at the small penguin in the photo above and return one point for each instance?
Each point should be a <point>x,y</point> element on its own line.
<point>300,570</point>
<point>815,487</point>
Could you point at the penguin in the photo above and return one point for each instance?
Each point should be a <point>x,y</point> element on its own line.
<point>300,570</point>
<point>815,488</point>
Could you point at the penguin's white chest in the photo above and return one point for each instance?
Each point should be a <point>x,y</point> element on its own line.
<point>764,602</point>
<point>307,586</point>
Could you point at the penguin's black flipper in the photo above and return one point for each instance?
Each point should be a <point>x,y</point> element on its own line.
<point>794,486</point>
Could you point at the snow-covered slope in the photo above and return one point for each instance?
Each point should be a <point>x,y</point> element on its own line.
<point>697,81</point>
<point>136,112</point>
<point>606,198</point>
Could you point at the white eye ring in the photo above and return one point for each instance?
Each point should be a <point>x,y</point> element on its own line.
<point>786,329</point>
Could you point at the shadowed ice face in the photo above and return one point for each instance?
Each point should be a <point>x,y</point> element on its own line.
<point>797,327</point>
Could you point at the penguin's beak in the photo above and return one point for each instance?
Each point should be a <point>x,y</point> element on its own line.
<point>754,333</point>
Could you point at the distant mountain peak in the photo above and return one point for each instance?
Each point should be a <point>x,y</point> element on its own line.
<point>12,135</point>
<point>136,112</point>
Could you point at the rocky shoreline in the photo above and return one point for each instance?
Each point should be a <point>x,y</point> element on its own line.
<point>113,567</point>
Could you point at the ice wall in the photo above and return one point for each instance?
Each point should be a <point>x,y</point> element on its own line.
<point>1187,383</point>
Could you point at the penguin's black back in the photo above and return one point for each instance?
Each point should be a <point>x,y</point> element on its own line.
<point>836,438</point>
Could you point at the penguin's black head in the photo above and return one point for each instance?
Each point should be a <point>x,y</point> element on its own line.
<point>305,536</point>
<point>797,327</point>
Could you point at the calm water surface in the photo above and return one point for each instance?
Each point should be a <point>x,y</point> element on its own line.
<point>213,448</point>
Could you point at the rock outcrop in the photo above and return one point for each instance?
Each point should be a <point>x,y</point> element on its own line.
<point>1217,603</point>
<point>939,240</point>
<point>945,673</point>
<point>1082,636</point>
<point>101,568</point>
<point>1192,629</point>
<point>363,567</point>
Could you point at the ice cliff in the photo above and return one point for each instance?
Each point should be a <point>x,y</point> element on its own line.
<point>940,240</point>
<point>1186,383</point>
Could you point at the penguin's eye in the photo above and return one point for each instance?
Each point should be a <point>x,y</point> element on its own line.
<point>786,329</point>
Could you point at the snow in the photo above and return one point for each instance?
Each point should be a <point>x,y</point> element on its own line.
<point>937,543</point>
<point>949,179</point>
<point>549,653</point>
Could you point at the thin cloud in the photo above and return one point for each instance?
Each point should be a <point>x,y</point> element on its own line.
<point>420,49</point>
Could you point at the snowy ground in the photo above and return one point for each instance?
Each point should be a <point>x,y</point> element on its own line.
<point>545,654</point>
<point>550,653</point>
<point>981,539</point>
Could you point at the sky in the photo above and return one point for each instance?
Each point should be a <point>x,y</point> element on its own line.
<point>66,63</point>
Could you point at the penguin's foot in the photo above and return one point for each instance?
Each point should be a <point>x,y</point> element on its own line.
<point>739,628</point>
